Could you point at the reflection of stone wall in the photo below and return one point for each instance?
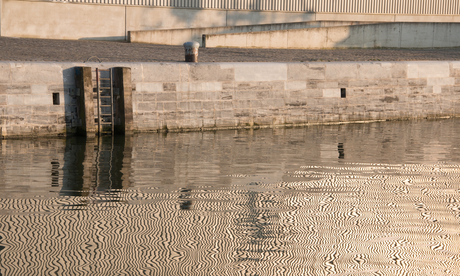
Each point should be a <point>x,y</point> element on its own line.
<point>180,96</point>
<point>240,202</point>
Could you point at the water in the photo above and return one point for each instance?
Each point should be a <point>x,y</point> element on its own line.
<point>358,199</point>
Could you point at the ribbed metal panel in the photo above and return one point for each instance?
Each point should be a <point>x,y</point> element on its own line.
<point>332,6</point>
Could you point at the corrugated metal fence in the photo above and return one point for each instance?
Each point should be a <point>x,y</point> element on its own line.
<point>333,6</point>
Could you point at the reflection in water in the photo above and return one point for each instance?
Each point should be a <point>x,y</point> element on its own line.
<point>95,165</point>
<point>266,202</point>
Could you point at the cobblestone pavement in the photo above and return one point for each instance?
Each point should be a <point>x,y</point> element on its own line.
<point>26,49</point>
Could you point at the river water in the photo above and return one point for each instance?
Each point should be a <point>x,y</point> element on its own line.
<point>357,199</point>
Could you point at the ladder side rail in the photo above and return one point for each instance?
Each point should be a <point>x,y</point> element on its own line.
<point>98,103</point>
<point>111,99</point>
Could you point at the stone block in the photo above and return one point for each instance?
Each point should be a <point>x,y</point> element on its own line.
<point>295,85</point>
<point>209,123</point>
<point>225,122</point>
<point>327,84</point>
<point>162,97</point>
<point>314,93</point>
<point>244,95</point>
<point>371,70</point>
<point>243,104</point>
<point>228,86</point>
<point>342,70</point>
<point>279,94</point>
<point>183,87</point>
<point>144,106</point>
<point>38,99</point>
<point>15,89</point>
<point>331,93</point>
<point>211,72</point>
<point>257,104</point>
<point>3,99</point>
<point>40,119</point>
<point>36,73</point>
<point>225,95</point>
<point>146,87</point>
<point>305,71</point>
<point>263,95</point>
<point>195,105</point>
<point>15,99</point>
<point>440,81</point>
<point>399,70</point>
<point>169,87</point>
<point>160,72</point>
<point>196,87</point>
<point>41,89</point>
<point>428,69</point>
<point>5,72</point>
<point>211,86</point>
<point>250,72</point>
<point>207,105</point>
<point>43,109</point>
<point>151,97</point>
<point>58,109</point>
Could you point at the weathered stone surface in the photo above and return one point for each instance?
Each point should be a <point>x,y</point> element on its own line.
<point>303,71</point>
<point>160,72</point>
<point>254,72</point>
<point>240,95</point>
<point>211,72</point>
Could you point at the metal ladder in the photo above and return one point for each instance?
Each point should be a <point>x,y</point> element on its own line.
<point>103,98</point>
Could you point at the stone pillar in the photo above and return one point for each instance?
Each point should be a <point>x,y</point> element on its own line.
<point>84,83</point>
<point>123,93</point>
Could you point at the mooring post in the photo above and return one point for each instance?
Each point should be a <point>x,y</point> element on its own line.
<point>191,51</point>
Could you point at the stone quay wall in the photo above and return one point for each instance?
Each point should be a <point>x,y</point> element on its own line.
<point>43,98</point>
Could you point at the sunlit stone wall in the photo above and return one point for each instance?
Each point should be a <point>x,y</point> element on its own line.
<point>181,96</point>
<point>231,95</point>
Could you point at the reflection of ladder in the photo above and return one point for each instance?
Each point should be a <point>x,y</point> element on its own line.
<point>103,97</point>
<point>103,160</point>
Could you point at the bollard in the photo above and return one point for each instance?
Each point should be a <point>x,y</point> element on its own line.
<point>191,51</point>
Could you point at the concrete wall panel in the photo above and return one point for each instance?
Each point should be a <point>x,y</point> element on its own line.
<point>390,35</point>
<point>63,21</point>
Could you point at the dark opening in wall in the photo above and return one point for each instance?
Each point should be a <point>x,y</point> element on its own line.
<point>56,99</point>
<point>343,92</point>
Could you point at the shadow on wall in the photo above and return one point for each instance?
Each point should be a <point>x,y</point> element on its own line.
<point>238,17</point>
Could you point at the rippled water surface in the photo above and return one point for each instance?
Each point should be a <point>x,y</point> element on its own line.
<point>358,199</point>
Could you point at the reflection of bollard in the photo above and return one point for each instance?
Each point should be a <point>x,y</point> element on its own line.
<point>191,51</point>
